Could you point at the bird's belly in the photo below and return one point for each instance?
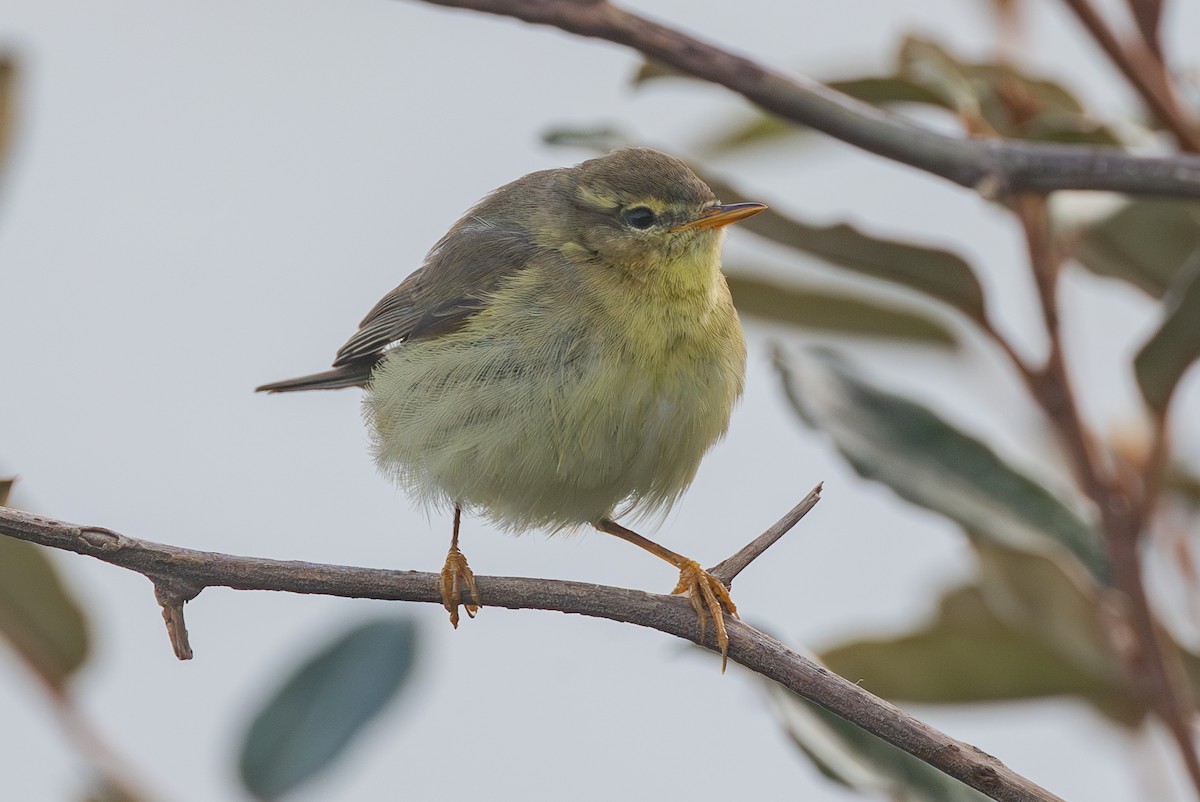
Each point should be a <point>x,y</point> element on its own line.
<point>545,442</point>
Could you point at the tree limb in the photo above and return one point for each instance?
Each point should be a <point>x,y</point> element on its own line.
<point>175,568</point>
<point>992,166</point>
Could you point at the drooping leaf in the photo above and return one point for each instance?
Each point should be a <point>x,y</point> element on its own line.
<point>38,617</point>
<point>859,760</point>
<point>326,702</point>
<point>939,274</point>
<point>930,463</point>
<point>966,654</point>
<point>1146,243</point>
<point>1162,361</point>
<point>762,127</point>
<point>601,139</point>
<point>990,99</point>
<point>1053,601</point>
<point>998,98</point>
<point>822,310</point>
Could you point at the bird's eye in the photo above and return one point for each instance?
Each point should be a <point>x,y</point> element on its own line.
<point>639,217</point>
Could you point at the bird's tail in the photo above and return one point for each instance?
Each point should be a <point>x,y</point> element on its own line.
<point>344,376</point>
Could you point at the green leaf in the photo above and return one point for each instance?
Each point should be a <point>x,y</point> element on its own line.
<point>1146,243</point>
<point>762,127</point>
<point>653,69</point>
<point>832,312</point>
<point>37,616</point>
<point>887,90</point>
<point>930,463</point>
<point>997,98</point>
<point>939,274</point>
<point>967,654</point>
<point>327,701</point>
<point>990,98</point>
<point>859,760</point>
<point>1054,601</point>
<point>601,139</point>
<point>1176,345</point>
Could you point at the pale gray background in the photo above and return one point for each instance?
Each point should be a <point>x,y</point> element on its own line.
<point>208,195</point>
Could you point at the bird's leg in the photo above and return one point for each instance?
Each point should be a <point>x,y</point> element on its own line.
<point>706,593</point>
<point>455,575</point>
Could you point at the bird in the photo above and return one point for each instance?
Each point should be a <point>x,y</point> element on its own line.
<point>564,357</point>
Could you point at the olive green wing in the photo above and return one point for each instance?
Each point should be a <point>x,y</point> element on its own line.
<point>438,298</point>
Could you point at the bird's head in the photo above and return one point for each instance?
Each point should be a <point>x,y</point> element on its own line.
<point>645,212</point>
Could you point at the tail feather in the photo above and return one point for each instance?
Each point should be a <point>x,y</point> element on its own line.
<point>345,376</point>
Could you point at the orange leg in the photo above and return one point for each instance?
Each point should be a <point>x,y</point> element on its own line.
<point>706,593</point>
<point>456,575</point>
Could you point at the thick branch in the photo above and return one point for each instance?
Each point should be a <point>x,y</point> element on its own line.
<point>991,165</point>
<point>752,648</point>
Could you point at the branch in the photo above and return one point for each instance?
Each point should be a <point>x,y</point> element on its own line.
<point>1153,662</point>
<point>992,166</point>
<point>1145,72</point>
<point>757,651</point>
<point>729,568</point>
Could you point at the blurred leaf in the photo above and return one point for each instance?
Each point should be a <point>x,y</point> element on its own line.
<point>826,311</point>
<point>1054,601</point>
<point>1166,356</point>
<point>601,139</point>
<point>6,486</point>
<point>653,69</point>
<point>317,712</point>
<point>1147,243</point>
<point>997,98</point>
<point>859,760</point>
<point>108,792</point>
<point>1182,483</point>
<point>37,616</point>
<point>926,461</point>
<point>759,129</point>
<point>933,272</point>
<point>991,99</point>
<point>762,127</point>
<point>886,90</point>
<point>967,654</point>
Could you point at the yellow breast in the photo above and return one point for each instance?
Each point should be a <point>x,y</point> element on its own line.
<point>556,406</point>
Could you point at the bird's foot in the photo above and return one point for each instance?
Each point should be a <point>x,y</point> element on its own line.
<point>707,595</point>
<point>456,575</point>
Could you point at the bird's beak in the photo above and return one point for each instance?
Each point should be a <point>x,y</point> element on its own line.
<point>721,215</point>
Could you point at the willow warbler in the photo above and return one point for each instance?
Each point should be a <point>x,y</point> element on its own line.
<point>566,355</point>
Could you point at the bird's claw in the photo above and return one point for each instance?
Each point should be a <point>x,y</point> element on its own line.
<point>707,595</point>
<point>456,575</point>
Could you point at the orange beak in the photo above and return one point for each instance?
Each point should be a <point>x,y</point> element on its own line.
<point>721,215</point>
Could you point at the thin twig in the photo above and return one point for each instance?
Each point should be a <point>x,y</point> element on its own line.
<point>1144,71</point>
<point>999,166</point>
<point>728,569</point>
<point>1155,666</point>
<point>755,650</point>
